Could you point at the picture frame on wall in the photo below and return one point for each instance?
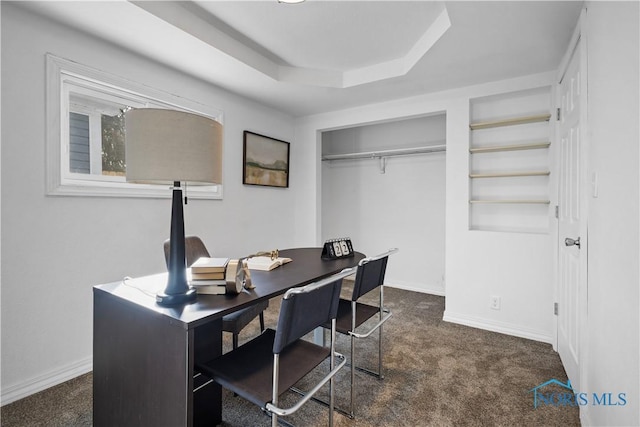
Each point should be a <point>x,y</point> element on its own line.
<point>265,161</point>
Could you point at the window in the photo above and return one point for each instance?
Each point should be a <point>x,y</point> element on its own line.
<point>96,137</point>
<point>85,132</point>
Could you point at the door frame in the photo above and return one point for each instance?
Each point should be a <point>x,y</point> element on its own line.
<point>578,40</point>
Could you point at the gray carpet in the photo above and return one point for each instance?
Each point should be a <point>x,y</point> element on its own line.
<point>436,374</point>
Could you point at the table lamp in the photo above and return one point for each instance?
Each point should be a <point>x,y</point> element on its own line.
<point>170,147</point>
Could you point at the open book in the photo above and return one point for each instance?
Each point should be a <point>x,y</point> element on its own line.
<point>265,263</point>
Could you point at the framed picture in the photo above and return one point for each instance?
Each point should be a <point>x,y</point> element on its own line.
<point>265,161</point>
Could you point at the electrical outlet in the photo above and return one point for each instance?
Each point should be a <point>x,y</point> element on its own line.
<point>495,303</point>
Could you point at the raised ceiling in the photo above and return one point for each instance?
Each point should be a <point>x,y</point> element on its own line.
<point>334,44</point>
<point>321,56</point>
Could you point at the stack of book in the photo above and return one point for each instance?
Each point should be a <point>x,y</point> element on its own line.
<point>207,275</point>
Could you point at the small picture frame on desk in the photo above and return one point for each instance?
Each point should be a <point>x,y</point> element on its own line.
<point>265,161</point>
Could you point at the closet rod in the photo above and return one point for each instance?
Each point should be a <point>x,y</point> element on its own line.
<point>386,153</point>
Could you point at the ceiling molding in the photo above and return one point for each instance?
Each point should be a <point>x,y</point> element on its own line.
<point>293,60</point>
<point>197,22</point>
<point>401,66</point>
<point>185,16</point>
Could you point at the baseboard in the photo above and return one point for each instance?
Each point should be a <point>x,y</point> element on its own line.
<point>416,287</point>
<point>503,328</point>
<point>45,381</point>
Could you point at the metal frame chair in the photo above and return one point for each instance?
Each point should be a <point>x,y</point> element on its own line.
<point>267,366</point>
<point>352,314</point>
<point>234,322</point>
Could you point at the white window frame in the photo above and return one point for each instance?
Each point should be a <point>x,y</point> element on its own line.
<point>63,77</point>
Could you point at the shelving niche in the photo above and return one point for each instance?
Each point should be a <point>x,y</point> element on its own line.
<point>509,166</point>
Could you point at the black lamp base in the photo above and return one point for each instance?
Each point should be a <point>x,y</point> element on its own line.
<point>174,299</point>
<point>177,290</point>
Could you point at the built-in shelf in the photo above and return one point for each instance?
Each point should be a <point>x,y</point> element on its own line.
<point>513,147</point>
<point>509,174</point>
<point>513,201</point>
<point>510,122</point>
<point>509,169</point>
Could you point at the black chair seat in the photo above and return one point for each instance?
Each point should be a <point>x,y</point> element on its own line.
<point>364,312</point>
<point>248,370</point>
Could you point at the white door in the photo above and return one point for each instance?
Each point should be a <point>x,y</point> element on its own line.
<point>572,249</point>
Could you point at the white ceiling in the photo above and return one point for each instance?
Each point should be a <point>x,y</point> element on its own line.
<point>328,35</point>
<point>327,55</point>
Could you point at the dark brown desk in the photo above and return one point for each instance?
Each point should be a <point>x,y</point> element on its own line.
<point>144,354</point>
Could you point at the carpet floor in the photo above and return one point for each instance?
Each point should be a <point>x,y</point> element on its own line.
<point>436,374</point>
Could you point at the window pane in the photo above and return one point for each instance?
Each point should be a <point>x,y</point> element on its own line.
<point>113,162</point>
<point>79,160</point>
<point>97,131</point>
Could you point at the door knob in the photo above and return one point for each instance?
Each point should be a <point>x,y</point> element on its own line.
<point>571,242</point>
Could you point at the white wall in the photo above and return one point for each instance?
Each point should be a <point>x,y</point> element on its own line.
<point>56,248</point>
<point>515,266</point>
<point>612,349</point>
<point>404,207</point>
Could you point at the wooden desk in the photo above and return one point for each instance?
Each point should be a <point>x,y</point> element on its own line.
<point>144,354</point>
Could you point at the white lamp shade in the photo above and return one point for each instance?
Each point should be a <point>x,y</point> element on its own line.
<point>163,146</point>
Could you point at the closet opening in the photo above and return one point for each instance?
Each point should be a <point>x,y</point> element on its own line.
<point>383,185</point>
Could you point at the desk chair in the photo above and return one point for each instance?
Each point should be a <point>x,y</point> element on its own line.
<point>234,322</point>
<point>264,368</point>
<point>352,314</point>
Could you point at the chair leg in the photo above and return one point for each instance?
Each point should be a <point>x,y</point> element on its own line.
<point>353,375</point>
<point>380,373</point>
<point>262,321</point>
<point>332,365</point>
<point>235,345</point>
<point>274,388</point>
